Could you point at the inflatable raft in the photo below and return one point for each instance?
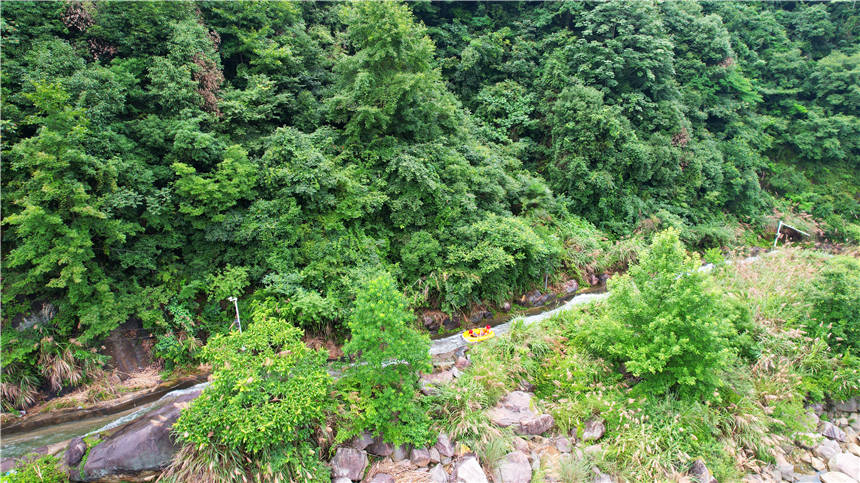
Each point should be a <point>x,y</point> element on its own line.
<point>478,335</point>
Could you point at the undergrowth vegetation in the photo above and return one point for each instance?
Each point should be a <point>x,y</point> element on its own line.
<point>259,418</point>
<point>161,157</point>
<point>380,385</point>
<point>771,364</point>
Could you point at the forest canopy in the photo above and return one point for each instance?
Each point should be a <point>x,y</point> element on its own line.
<point>159,157</point>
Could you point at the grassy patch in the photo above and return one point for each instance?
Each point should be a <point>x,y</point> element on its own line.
<point>770,378</point>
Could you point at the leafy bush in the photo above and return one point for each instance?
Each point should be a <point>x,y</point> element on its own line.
<point>836,305</point>
<point>175,351</point>
<point>268,395</point>
<point>41,469</point>
<point>380,387</point>
<point>666,323</point>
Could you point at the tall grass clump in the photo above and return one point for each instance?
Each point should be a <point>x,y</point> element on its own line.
<point>836,305</point>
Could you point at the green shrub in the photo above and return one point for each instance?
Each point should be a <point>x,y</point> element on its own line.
<point>836,305</point>
<point>44,469</point>
<point>666,324</point>
<point>380,387</point>
<point>175,351</point>
<point>268,395</point>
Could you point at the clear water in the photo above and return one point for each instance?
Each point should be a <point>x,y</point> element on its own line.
<point>21,443</point>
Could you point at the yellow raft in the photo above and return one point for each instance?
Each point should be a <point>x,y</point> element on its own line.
<point>478,335</point>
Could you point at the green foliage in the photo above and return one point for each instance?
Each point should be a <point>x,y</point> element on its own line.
<point>380,386</point>
<point>667,325</point>
<point>836,305</point>
<point>267,397</point>
<point>36,469</point>
<point>188,152</point>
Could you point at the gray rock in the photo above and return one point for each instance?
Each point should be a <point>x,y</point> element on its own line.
<point>593,450</point>
<point>420,457</point>
<point>818,464</point>
<point>506,306</point>
<point>380,447</point>
<point>462,363</point>
<point>849,406</point>
<point>785,469</point>
<point>341,479</point>
<point>438,378</point>
<point>827,449</point>
<point>836,477</point>
<point>603,478</point>
<point>382,478</point>
<point>594,430</point>
<point>537,425</point>
<point>563,445</point>
<point>144,444</point>
<point>831,431</point>
<point>513,468</point>
<point>400,452</point>
<point>361,441</point>
<point>435,457</point>
<point>74,452</point>
<point>515,410</point>
<point>444,446</point>
<point>700,472</point>
<point>348,463</point>
<point>569,287</point>
<point>846,463</point>
<point>438,475</point>
<point>807,479</point>
<point>520,444</point>
<point>468,470</point>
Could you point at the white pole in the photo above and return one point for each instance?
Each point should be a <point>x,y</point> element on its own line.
<point>779,227</point>
<point>236,305</point>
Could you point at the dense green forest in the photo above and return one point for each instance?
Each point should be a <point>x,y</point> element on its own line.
<point>160,157</point>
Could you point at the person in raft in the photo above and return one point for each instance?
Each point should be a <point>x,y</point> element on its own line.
<point>479,332</point>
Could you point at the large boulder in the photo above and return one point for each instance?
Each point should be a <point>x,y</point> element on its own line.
<point>513,468</point>
<point>570,287</point>
<point>827,449</point>
<point>361,441</point>
<point>444,445</point>
<point>74,452</point>
<point>380,447</point>
<point>515,410</point>
<point>438,474</point>
<point>468,470</point>
<point>348,463</point>
<point>594,430</point>
<point>849,406</point>
<point>536,425</point>
<point>420,457</point>
<point>400,452</point>
<point>836,477</point>
<point>833,432</point>
<point>846,463</point>
<point>144,444</point>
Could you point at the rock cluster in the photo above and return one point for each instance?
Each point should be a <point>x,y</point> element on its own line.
<point>831,454</point>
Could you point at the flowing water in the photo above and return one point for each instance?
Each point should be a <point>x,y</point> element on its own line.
<point>19,444</point>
